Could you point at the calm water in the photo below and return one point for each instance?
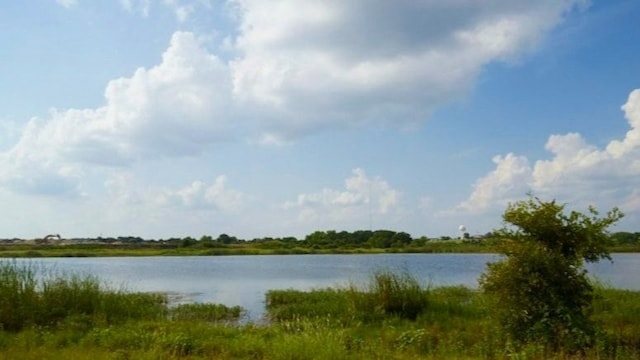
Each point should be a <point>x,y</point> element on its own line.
<point>243,280</point>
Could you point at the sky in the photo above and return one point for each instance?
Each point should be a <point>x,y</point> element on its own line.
<point>273,118</point>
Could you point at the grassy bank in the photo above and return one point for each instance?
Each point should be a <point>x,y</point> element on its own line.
<point>33,250</point>
<point>393,316</point>
<point>95,250</point>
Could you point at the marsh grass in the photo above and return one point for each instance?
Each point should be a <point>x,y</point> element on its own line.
<point>30,297</point>
<point>393,317</point>
<point>213,313</point>
<point>390,317</point>
<point>617,312</point>
<point>387,294</point>
<point>390,293</point>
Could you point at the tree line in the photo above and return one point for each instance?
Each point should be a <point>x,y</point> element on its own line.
<point>330,239</point>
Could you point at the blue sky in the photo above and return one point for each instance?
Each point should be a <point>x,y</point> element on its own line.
<point>161,118</point>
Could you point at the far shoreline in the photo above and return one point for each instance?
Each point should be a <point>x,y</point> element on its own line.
<point>8,251</point>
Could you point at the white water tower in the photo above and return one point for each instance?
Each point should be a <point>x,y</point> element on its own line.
<point>463,230</point>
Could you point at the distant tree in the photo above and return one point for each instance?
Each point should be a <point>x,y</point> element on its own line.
<point>541,287</point>
<point>226,239</point>
<point>207,241</point>
<point>382,238</point>
<point>361,237</point>
<point>317,239</point>
<point>623,237</point>
<point>400,239</point>
<point>206,238</point>
<point>187,241</point>
<point>421,241</point>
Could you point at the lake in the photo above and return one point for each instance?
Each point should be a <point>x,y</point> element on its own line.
<point>243,280</point>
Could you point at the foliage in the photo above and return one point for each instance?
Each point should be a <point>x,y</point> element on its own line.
<point>541,289</point>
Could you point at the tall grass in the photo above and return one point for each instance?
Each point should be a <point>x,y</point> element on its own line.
<point>387,294</point>
<point>29,297</point>
<point>212,313</point>
<point>390,317</point>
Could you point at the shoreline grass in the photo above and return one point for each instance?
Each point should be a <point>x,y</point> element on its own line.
<point>393,316</point>
<point>41,251</point>
<point>105,250</point>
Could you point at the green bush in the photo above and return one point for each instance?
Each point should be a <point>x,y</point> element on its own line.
<point>541,289</point>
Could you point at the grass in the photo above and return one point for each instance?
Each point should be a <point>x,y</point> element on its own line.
<point>393,316</point>
<point>212,313</point>
<point>150,249</point>
<point>30,297</point>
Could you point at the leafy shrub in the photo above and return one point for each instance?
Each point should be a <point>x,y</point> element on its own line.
<point>541,290</point>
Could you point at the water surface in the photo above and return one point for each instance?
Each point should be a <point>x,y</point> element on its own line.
<point>243,280</point>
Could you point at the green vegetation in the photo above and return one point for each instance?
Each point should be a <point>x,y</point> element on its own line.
<point>391,317</point>
<point>388,295</point>
<point>31,298</point>
<point>213,313</point>
<point>541,287</point>
<point>319,242</point>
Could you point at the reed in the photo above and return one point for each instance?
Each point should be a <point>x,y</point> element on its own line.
<point>29,297</point>
<point>390,293</point>
<point>213,313</point>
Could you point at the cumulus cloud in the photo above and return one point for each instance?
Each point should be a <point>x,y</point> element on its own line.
<point>361,196</point>
<point>510,180</point>
<point>201,195</point>
<point>345,63</point>
<point>176,108</point>
<point>295,67</point>
<point>577,172</point>
<point>198,195</point>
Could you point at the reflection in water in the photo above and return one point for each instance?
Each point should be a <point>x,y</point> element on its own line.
<point>243,280</point>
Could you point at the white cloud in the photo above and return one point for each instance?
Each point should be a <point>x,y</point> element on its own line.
<point>510,180</point>
<point>176,108</point>
<point>297,67</point>
<point>361,197</point>
<point>577,172</point>
<point>198,195</point>
<point>343,63</point>
<point>201,195</point>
